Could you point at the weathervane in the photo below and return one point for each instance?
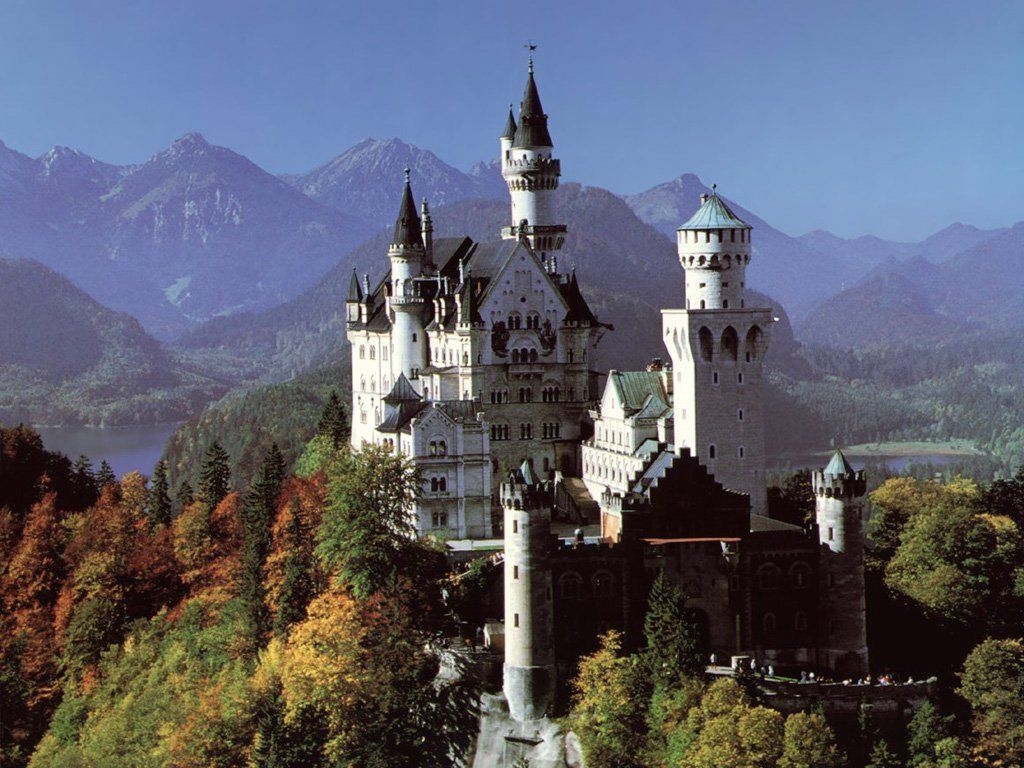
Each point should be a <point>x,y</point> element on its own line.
<point>531,46</point>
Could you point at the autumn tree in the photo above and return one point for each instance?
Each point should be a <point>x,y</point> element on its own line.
<point>608,703</point>
<point>993,684</point>
<point>809,742</point>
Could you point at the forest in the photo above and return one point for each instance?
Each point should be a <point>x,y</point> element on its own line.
<point>290,621</point>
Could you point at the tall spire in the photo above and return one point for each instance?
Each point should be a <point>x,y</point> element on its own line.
<point>407,226</point>
<point>354,294</point>
<point>510,125</point>
<point>533,123</point>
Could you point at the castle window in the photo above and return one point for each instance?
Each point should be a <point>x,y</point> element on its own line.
<point>547,464</point>
<point>362,352</point>
<point>373,353</point>
<point>362,417</point>
<point>725,303</point>
<point>515,526</point>
<point>800,575</point>
<point>414,338</point>
<point>768,623</point>
<point>526,431</point>
<point>570,585</point>
<point>384,353</point>
<point>515,620</point>
<point>433,448</point>
<point>730,342</point>
<point>515,356</point>
<point>740,452</point>
<point>707,342</point>
<point>465,358</point>
<point>433,484</point>
<point>703,304</point>
<point>712,451</point>
<point>831,580</point>
<point>714,377</point>
<point>442,448</point>
<point>768,576</point>
<point>739,415</point>
<point>515,571</point>
<point>533,355</point>
<point>602,584</point>
<point>439,519</point>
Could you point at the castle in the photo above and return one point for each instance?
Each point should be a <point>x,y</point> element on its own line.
<point>472,359</point>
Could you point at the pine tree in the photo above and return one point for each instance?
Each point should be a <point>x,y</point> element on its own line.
<point>105,476</point>
<point>882,756</point>
<point>215,476</point>
<point>257,516</point>
<point>333,423</point>
<point>84,485</point>
<point>297,586</point>
<point>159,507</point>
<point>671,633</point>
<point>184,496</point>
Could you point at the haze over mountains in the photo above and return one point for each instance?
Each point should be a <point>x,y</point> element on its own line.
<point>200,241</point>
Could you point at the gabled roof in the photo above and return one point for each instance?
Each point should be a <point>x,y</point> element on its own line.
<point>640,392</point>
<point>533,123</point>
<point>714,214</point>
<point>838,465</point>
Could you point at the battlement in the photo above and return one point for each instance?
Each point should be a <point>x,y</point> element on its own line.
<point>829,485</point>
<point>546,165</point>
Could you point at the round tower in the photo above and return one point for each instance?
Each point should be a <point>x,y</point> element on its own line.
<point>718,346</point>
<point>529,672</point>
<point>407,255</point>
<point>531,173</point>
<point>839,512</point>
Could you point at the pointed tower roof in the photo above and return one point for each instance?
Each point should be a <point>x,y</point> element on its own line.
<point>510,125</point>
<point>526,470</point>
<point>838,465</point>
<point>714,214</point>
<point>401,392</point>
<point>533,123</point>
<point>407,225</point>
<point>470,311</point>
<point>355,293</point>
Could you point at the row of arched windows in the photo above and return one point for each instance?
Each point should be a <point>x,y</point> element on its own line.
<point>769,576</point>
<point>438,448</point>
<point>570,585</point>
<point>515,321</point>
<point>524,355</point>
<point>769,623</point>
<point>729,344</point>
<point>438,484</point>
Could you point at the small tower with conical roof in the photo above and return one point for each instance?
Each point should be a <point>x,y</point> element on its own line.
<point>354,302</point>
<point>839,511</point>
<point>529,673</point>
<point>718,345</point>
<point>531,173</point>
<point>407,255</point>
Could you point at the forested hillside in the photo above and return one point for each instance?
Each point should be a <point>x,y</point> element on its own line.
<point>66,359</point>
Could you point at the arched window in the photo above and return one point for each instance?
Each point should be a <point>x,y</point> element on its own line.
<point>740,452</point>
<point>515,356</point>
<point>707,343</point>
<point>800,575</point>
<point>433,485</point>
<point>442,484</point>
<point>533,355</point>
<point>602,583</point>
<point>570,585</point>
<point>373,353</point>
<point>768,576</point>
<point>754,343</point>
<point>712,451</point>
<point>739,415</point>
<point>730,343</point>
<point>362,352</point>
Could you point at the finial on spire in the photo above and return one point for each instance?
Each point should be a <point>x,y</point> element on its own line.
<point>406,173</point>
<point>714,187</point>
<point>531,46</point>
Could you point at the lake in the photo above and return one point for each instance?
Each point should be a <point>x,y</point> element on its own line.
<point>859,461</point>
<point>124,448</point>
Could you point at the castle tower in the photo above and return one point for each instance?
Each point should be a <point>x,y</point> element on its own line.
<point>529,675</point>
<point>839,509</point>
<point>407,255</point>
<point>717,345</point>
<point>532,176</point>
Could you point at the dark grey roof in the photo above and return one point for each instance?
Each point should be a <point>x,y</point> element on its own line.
<point>355,293</point>
<point>579,310</point>
<point>407,225</point>
<point>402,391</point>
<point>510,125</point>
<point>533,123</point>
<point>459,410</point>
<point>397,417</point>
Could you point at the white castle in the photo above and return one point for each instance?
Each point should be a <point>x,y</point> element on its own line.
<point>472,359</point>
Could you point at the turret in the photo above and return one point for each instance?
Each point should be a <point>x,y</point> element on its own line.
<point>407,255</point>
<point>714,249</point>
<point>428,237</point>
<point>354,301</point>
<point>839,512</point>
<point>718,345</point>
<point>532,175</point>
<point>529,672</point>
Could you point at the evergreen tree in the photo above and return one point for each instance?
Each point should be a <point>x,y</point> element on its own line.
<point>882,756</point>
<point>159,507</point>
<point>672,643</point>
<point>184,496</point>
<point>105,476</point>
<point>215,475</point>
<point>926,729</point>
<point>257,516</point>
<point>297,587</point>
<point>333,423</point>
<point>83,482</point>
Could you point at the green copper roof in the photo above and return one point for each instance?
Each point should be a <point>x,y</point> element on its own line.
<point>838,465</point>
<point>714,214</point>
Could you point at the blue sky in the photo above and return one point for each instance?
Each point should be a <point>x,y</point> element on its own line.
<point>891,118</point>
